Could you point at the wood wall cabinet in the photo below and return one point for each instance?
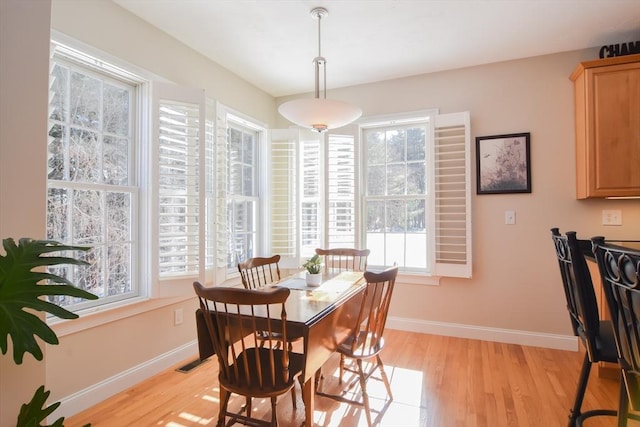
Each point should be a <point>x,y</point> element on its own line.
<point>607,107</point>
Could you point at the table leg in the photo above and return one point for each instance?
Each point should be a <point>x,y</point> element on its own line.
<point>309,399</point>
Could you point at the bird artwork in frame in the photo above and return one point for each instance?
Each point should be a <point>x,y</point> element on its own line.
<point>503,164</point>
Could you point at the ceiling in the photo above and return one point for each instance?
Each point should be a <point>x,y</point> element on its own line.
<point>272,43</point>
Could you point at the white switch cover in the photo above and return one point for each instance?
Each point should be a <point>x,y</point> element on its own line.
<point>612,217</point>
<point>510,217</point>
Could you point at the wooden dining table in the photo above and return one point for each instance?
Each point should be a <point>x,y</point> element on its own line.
<point>324,316</point>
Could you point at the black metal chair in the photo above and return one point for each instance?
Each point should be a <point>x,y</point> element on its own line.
<point>620,272</point>
<point>595,334</point>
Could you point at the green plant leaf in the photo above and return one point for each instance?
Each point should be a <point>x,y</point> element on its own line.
<point>33,413</point>
<point>312,265</point>
<point>19,290</point>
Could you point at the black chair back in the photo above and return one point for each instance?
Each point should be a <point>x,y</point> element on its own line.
<point>620,272</point>
<point>582,304</point>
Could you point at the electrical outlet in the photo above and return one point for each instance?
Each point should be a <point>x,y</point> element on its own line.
<point>510,217</point>
<point>612,217</point>
<point>177,317</point>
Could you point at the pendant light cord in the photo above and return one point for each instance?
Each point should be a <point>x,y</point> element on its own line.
<point>319,61</point>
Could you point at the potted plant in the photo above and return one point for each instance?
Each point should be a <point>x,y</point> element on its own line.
<point>20,289</point>
<point>313,267</point>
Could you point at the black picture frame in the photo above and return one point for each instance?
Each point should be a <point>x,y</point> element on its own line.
<point>503,163</point>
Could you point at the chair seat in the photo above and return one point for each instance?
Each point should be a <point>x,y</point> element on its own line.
<point>368,346</point>
<point>267,389</point>
<point>605,350</point>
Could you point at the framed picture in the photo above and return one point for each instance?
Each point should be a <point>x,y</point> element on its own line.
<point>503,164</point>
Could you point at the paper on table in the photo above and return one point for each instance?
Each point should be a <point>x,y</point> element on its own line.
<point>337,284</point>
<point>295,283</point>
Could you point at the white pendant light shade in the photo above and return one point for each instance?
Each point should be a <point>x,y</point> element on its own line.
<point>319,114</point>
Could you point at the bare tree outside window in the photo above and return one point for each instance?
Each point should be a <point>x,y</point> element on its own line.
<point>90,193</point>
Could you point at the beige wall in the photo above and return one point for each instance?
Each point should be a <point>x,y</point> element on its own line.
<point>24,77</point>
<point>515,286</point>
<point>106,26</point>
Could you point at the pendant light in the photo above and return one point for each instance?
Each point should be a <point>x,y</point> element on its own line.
<point>319,113</point>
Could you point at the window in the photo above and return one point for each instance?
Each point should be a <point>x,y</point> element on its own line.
<point>130,175</point>
<point>417,194</point>
<point>92,189</point>
<point>239,188</point>
<point>400,187</point>
<point>395,194</point>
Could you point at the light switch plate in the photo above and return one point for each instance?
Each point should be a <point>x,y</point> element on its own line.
<point>510,217</point>
<point>611,217</point>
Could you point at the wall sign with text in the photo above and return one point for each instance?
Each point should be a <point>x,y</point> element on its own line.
<point>620,49</point>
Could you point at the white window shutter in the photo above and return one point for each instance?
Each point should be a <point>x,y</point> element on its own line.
<point>452,195</point>
<point>341,192</point>
<point>312,195</point>
<point>210,191</point>
<point>284,149</point>
<point>178,181</point>
<point>222,231</point>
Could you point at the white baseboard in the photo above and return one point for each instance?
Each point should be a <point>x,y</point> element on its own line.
<point>96,393</point>
<point>90,396</point>
<point>559,342</point>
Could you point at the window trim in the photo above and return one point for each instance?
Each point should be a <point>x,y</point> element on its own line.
<point>223,115</point>
<point>63,53</point>
<point>437,121</point>
<point>406,119</point>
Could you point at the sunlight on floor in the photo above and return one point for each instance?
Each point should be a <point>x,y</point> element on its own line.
<point>404,410</point>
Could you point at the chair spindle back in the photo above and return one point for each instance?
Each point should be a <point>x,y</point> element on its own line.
<point>258,272</point>
<point>345,258</point>
<point>231,316</point>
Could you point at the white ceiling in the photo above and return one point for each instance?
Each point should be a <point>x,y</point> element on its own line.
<point>271,43</point>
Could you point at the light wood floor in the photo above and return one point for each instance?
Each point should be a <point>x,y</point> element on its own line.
<point>436,381</point>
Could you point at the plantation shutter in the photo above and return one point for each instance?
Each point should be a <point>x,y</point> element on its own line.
<point>296,194</point>
<point>223,245</point>
<point>284,195</point>
<point>312,194</point>
<point>179,181</point>
<point>452,195</point>
<point>341,192</point>
<point>210,191</point>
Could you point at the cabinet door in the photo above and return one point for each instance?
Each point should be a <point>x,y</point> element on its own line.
<point>614,130</point>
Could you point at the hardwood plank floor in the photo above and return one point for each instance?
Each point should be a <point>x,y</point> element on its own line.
<point>436,381</point>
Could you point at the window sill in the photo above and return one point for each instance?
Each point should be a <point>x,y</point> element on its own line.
<point>97,316</point>
<point>418,279</point>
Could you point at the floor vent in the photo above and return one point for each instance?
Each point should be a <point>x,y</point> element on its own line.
<point>191,365</point>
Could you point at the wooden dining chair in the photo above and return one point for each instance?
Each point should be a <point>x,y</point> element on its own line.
<point>258,272</point>
<point>620,273</point>
<point>345,258</point>
<point>367,341</point>
<point>595,334</point>
<point>246,367</point>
